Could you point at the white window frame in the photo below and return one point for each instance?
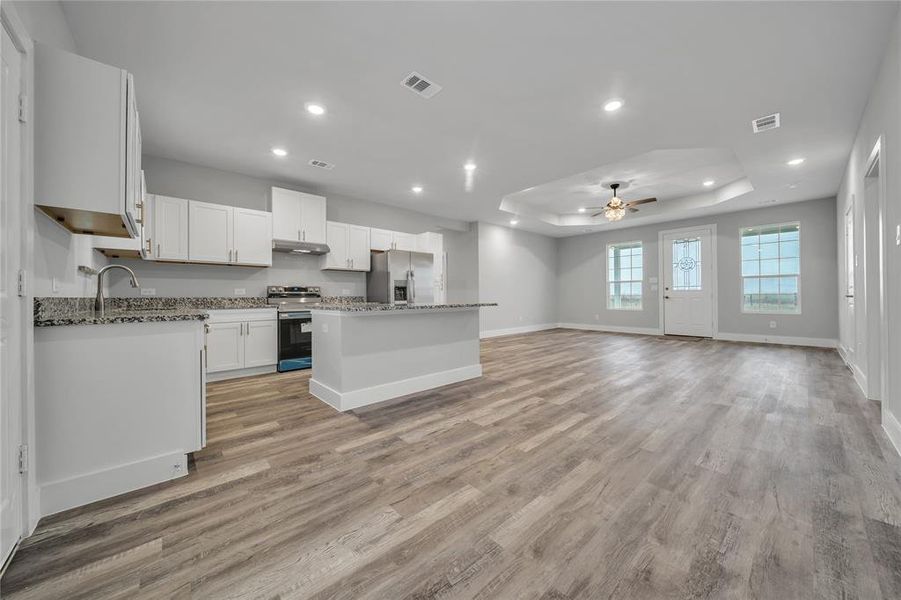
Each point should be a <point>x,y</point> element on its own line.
<point>607,280</point>
<point>741,278</point>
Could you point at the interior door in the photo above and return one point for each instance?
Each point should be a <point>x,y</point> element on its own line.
<point>252,237</point>
<point>210,227</point>
<point>224,347</point>
<point>687,274</point>
<point>358,247</point>
<point>260,343</point>
<point>849,336</point>
<point>12,367</point>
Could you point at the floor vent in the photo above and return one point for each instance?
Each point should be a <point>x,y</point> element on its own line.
<point>420,85</point>
<point>321,164</point>
<point>765,123</point>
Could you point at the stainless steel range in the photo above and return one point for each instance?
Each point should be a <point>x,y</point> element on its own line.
<point>295,324</point>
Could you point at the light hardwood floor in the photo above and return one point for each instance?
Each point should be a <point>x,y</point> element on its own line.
<point>582,465</point>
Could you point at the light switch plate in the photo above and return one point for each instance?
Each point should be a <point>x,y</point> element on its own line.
<point>240,291</point>
<point>898,235</point>
<point>148,291</point>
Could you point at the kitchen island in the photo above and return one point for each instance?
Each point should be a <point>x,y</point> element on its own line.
<point>369,353</point>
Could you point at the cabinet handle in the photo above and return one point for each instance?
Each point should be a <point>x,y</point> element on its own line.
<point>236,255</point>
<point>248,328</point>
<point>298,235</point>
<point>157,249</point>
<point>351,263</point>
<point>304,235</point>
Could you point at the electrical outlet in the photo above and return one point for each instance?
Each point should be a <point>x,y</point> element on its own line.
<point>148,291</point>
<point>240,291</point>
<point>54,285</point>
<point>772,324</point>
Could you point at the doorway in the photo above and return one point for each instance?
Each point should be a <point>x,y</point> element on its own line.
<point>874,273</point>
<point>689,285</point>
<point>12,332</point>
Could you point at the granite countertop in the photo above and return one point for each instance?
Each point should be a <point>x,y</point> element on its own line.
<point>52,312</point>
<point>369,307</point>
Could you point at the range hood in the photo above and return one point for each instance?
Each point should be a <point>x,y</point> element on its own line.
<point>295,247</point>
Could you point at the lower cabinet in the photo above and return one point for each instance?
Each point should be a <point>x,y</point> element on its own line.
<point>235,344</point>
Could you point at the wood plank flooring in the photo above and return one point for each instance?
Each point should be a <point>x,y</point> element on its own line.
<point>582,465</point>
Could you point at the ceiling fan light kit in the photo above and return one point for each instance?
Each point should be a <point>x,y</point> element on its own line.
<point>615,210</point>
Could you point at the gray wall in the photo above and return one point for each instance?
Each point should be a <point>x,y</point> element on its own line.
<point>882,117</point>
<point>184,180</point>
<point>516,270</point>
<point>580,273</point>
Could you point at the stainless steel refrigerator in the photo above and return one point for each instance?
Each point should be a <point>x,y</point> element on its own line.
<point>400,277</point>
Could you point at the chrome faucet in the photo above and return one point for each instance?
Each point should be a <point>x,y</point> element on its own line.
<point>98,300</point>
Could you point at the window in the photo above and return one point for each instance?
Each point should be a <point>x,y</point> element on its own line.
<point>687,265</point>
<point>624,275</point>
<point>771,268</point>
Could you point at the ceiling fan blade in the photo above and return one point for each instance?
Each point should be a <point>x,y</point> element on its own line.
<point>597,214</point>
<point>642,201</point>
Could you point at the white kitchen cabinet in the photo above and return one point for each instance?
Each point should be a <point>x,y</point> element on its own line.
<point>260,343</point>
<point>358,247</point>
<point>404,241</point>
<point>384,239</point>
<point>252,237</point>
<point>211,232</point>
<point>241,342</point>
<point>87,144</point>
<point>298,216</point>
<point>348,247</point>
<point>225,346</point>
<point>168,237</point>
<point>381,239</point>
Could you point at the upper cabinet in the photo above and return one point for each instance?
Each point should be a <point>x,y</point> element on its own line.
<point>168,239</point>
<point>298,216</point>
<point>87,144</point>
<point>229,235</point>
<point>384,239</point>
<point>348,247</point>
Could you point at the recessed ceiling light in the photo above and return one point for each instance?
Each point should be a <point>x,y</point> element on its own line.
<point>315,109</point>
<point>613,105</point>
<point>795,162</point>
<point>709,182</point>
<point>514,221</point>
<point>582,209</point>
<point>417,189</point>
<point>280,152</point>
<point>470,166</point>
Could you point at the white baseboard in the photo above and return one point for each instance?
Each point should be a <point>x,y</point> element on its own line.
<point>611,328</point>
<point>777,339</point>
<point>859,378</point>
<point>892,429</point>
<point>223,375</point>
<point>343,401</point>
<point>83,489</point>
<point>490,333</point>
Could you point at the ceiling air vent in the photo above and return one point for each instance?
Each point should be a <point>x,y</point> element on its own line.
<point>420,85</point>
<point>321,164</point>
<point>765,123</point>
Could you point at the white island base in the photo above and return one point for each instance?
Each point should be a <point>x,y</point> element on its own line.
<point>363,357</point>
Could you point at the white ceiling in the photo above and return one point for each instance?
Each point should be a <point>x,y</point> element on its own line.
<point>220,83</point>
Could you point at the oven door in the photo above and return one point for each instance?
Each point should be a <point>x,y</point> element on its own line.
<point>295,340</point>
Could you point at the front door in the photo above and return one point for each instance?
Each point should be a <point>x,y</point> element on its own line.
<point>12,367</point>
<point>687,276</point>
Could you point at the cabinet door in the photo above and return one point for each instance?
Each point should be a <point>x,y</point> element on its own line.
<point>260,343</point>
<point>132,158</point>
<point>169,232</point>
<point>358,247</point>
<point>336,238</point>
<point>210,237</point>
<point>404,241</point>
<point>225,346</point>
<point>146,227</point>
<point>380,239</point>
<point>252,237</point>
<point>312,219</point>
<point>285,214</point>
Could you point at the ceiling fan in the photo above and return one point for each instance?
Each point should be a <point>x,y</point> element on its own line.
<point>616,208</point>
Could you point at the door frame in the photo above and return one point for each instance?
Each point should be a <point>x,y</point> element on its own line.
<point>661,274</point>
<point>10,21</point>
<point>876,159</point>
